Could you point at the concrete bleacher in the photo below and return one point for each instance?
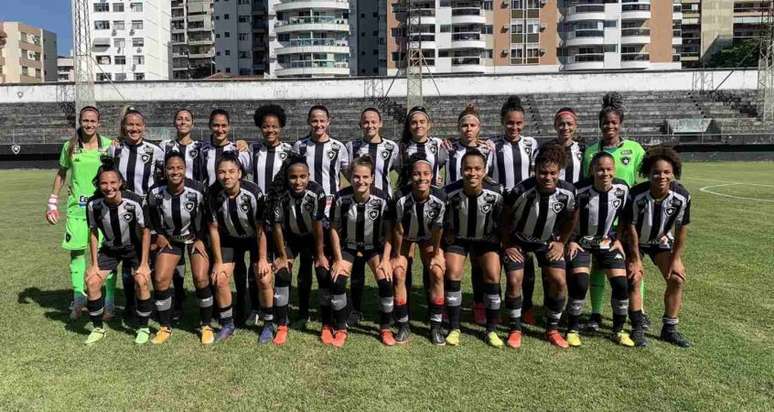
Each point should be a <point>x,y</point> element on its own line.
<point>30,123</point>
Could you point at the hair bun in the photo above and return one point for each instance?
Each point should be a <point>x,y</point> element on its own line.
<point>514,101</point>
<point>613,100</point>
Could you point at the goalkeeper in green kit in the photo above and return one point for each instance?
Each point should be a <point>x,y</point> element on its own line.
<point>81,157</point>
<point>628,156</point>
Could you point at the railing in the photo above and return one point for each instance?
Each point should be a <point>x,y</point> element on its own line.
<point>588,8</point>
<point>311,20</point>
<point>298,64</point>
<point>584,58</point>
<point>629,57</point>
<point>315,42</point>
<point>466,36</point>
<point>466,12</point>
<point>459,61</point>
<point>635,32</point>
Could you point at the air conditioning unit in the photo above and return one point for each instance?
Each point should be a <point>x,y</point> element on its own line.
<point>139,50</point>
<point>134,67</point>
<point>542,51</point>
<point>542,26</point>
<point>114,32</point>
<point>504,29</point>
<point>506,4</point>
<point>504,52</point>
<point>131,32</point>
<point>543,2</point>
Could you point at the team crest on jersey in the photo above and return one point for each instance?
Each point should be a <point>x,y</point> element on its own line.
<point>277,212</point>
<point>528,150</point>
<point>670,211</point>
<point>128,216</point>
<point>189,206</point>
<point>309,204</point>
<point>194,153</point>
<point>486,207</point>
<point>626,160</point>
<point>434,149</point>
<point>159,197</point>
<point>433,210</point>
<point>333,152</point>
<point>145,158</point>
<point>579,155</point>
<point>373,214</point>
<point>245,206</point>
<point>283,155</point>
<point>617,203</point>
<point>557,207</point>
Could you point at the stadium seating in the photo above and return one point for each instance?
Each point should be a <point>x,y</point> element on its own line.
<point>646,112</point>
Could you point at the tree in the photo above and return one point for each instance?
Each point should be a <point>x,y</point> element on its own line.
<point>742,54</point>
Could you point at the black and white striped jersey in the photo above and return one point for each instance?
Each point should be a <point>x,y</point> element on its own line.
<point>237,216</point>
<point>537,216</point>
<point>326,160</point>
<point>385,154</point>
<point>192,154</point>
<point>139,164</point>
<point>433,150</point>
<point>120,224</point>
<point>177,216</point>
<point>419,218</point>
<point>474,217</point>
<point>654,219</point>
<point>454,162</point>
<point>574,159</point>
<point>267,161</point>
<point>361,225</point>
<point>210,154</point>
<point>598,212</point>
<point>513,162</point>
<point>296,213</point>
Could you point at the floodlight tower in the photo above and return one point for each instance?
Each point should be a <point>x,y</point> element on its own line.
<point>415,62</point>
<point>83,60</point>
<point>766,65</point>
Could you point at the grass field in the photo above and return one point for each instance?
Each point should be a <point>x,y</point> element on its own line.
<point>729,316</point>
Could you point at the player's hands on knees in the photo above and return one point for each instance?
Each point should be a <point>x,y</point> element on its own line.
<point>162,242</point>
<point>514,253</point>
<point>143,271</point>
<point>340,268</point>
<point>618,246</point>
<point>92,271</point>
<point>321,261</point>
<point>399,263</point>
<point>439,260</point>
<point>555,251</point>
<point>634,270</point>
<point>281,263</point>
<point>262,268</point>
<point>386,268</point>
<point>572,249</point>
<point>199,248</point>
<point>218,270</point>
<point>677,269</point>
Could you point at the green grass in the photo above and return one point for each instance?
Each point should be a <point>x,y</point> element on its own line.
<point>728,314</point>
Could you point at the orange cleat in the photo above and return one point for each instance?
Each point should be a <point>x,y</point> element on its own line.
<point>282,335</point>
<point>326,335</point>
<point>528,317</point>
<point>340,338</point>
<point>479,314</point>
<point>514,339</point>
<point>556,339</point>
<point>387,338</point>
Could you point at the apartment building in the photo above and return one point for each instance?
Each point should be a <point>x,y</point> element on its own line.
<point>131,39</point>
<point>28,55</point>
<point>65,69</point>
<point>241,37</point>
<point>193,39</point>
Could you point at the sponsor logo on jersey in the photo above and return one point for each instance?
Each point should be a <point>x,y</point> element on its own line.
<point>626,152</point>
<point>191,196</point>
<point>130,208</point>
<point>375,203</point>
<point>490,198</point>
<point>561,197</point>
<point>619,192</point>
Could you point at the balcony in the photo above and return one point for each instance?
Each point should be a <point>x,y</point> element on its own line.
<point>636,11</point>
<point>591,61</point>
<point>585,12</point>
<point>313,68</point>
<point>585,38</point>
<point>468,15</point>
<point>322,23</point>
<point>635,60</point>
<point>466,65</point>
<point>314,46</point>
<point>287,5</point>
<point>470,40</point>
<point>635,36</point>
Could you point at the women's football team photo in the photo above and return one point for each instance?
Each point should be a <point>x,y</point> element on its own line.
<point>585,214</point>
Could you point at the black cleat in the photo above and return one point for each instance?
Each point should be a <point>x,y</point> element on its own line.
<point>592,325</point>
<point>638,336</point>
<point>674,337</point>
<point>177,314</point>
<point>354,318</point>
<point>404,331</point>
<point>645,321</point>
<point>437,336</point>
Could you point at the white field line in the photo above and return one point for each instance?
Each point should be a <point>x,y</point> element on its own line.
<point>706,189</point>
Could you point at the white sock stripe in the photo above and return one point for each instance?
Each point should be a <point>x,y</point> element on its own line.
<point>206,302</point>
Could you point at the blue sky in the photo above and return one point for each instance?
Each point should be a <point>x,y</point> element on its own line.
<point>52,15</point>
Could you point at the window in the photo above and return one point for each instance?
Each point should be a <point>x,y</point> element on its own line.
<point>139,76</point>
<point>118,25</point>
<point>487,5</point>
<point>137,24</point>
<point>103,59</point>
<point>227,34</point>
<point>101,25</point>
<point>120,77</point>
<point>242,36</point>
<point>226,16</point>
<point>228,52</point>
<point>446,28</point>
<point>135,6</point>
<point>138,42</point>
<point>119,60</point>
<point>103,77</point>
<point>140,59</point>
<point>119,43</point>
<point>25,70</point>
<point>486,29</point>
<point>101,7</point>
<point>244,19</point>
<point>118,7</point>
<point>242,55</point>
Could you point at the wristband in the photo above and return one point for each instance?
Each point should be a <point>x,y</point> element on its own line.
<point>53,203</point>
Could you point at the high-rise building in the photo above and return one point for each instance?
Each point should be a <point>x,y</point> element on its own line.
<point>710,25</point>
<point>131,39</point>
<point>193,39</point>
<point>28,55</point>
<point>65,69</point>
<point>369,41</point>
<point>241,37</point>
<point>508,36</point>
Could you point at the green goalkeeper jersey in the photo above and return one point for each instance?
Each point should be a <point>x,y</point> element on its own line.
<point>628,157</point>
<point>83,165</point>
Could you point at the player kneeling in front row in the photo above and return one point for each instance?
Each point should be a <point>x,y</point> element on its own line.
<point>298,213</point>
<point>360,226</point>
<point>473,208</point>
<point>538,218</point>
<point>176,208</point>
<point>419,216</point>
<point>600,201</point>
<point>655,208</point>
<point>118,215</point>
<point>236,227</point>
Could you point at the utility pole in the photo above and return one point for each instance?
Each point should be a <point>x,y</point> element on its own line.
<point>83,60</point>
<point>766,65</point>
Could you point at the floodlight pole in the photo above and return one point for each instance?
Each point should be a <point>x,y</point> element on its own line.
<point>82,57</point>
<point>766,66</point>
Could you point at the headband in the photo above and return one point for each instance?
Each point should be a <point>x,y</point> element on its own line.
<point>562,112</point>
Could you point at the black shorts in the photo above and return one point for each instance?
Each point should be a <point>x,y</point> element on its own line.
<point>474,248</point>
<point>304,245</point>
<point>540,252</point>
<point>177,249</point>
<point>232,248</point>
<point>604,259</point>
<point>349,254</point>
<point>654,250</point>
<point>109,259</point>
